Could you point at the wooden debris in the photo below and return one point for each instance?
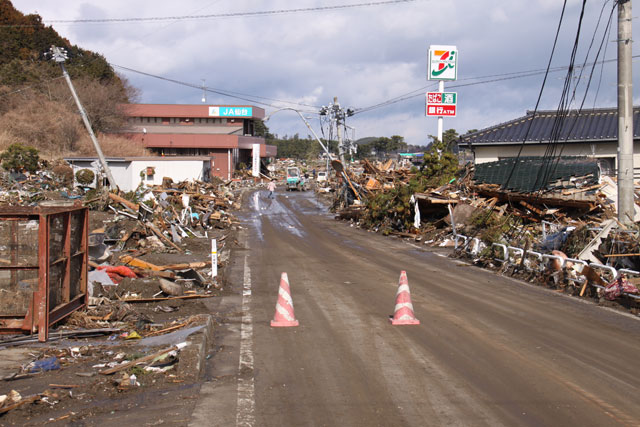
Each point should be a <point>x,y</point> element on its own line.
<point>184,266</point>
<point>135,262</point>
<point>373,184</point>
<point>123,201</point>
<point>24,401</point>
<point>132,300</point>
<point>162,236</point>
<point>581,190</point>
<point>147,358</point>
<point>531,208</point>
<point>619,255</point>
<point>169,329</point>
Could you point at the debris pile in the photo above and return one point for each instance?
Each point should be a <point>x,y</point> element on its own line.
<point>508,227</point>
<point>125,358</point>
<point>151,273</point>
<point>29,189</point>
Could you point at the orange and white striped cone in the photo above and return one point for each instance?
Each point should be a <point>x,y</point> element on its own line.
<point>403,313</point>
<point>285,315</point>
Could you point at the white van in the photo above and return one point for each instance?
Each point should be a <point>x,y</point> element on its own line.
<point>322,176</point>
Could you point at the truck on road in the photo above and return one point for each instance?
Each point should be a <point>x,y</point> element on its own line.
<point>295,180</point>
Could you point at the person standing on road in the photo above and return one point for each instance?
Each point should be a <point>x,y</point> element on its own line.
<point>271,187</point>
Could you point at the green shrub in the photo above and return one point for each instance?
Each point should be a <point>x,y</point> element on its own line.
<point>17,157</point>
<point>85,176</point>
<point>491,227</point>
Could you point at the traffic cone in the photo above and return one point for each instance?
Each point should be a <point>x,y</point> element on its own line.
<point>284,307</point>
<point>403,313</point>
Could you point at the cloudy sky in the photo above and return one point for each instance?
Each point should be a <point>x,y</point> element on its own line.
<point>364,55</point>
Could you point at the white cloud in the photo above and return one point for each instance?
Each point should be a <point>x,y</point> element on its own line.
<point>363,55</point>
<point>498,15</point>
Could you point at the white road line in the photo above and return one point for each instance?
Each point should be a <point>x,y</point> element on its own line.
<point>246,389</point>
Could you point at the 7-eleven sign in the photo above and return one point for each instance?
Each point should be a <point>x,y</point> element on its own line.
<point>443,63</point>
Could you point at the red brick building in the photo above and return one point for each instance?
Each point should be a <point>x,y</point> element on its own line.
<point>225,133</point>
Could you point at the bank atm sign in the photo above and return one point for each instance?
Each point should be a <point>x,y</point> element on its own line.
<point>442,104</point>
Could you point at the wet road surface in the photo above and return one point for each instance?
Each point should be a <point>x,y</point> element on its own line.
<point>489,350</point>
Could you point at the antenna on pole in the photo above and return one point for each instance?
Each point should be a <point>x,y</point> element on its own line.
<point>204,92</point>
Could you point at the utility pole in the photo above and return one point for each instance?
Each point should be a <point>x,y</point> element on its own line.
<point>339,116</point>
<point>626,208</point>
<point>59,55</point>
<point>440,118</point>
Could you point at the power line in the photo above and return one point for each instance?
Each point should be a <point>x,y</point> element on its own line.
<point>230,94</point>
<point>546,168</point>
<point>586,92</point>
<point>228,14</point>
<point>507,76</point>
<point>23,89</point>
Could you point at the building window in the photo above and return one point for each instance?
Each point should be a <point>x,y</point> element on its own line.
<point>165,120</point>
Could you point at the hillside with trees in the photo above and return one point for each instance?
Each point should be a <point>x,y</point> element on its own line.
<point>36,107</point>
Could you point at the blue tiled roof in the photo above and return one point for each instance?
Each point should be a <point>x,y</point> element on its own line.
<point>590,125</point>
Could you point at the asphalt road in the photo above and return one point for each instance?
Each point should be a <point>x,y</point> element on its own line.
<point>489,350</point>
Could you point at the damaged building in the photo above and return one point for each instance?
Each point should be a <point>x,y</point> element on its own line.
<point>224,133</point>
<point>588,133</point>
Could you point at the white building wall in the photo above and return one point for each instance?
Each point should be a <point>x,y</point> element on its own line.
<point>177,170</point>
<point>127,173</point>
<point>120,172</point>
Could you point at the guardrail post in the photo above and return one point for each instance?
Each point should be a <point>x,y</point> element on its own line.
<point>505,252</point>
<point>579,280</point>
<point>514,249</point>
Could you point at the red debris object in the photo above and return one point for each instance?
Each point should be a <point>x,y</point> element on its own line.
<point>618,287</point>
<point>117,273</point>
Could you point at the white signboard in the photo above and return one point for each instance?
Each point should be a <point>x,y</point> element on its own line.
<point>214,258</point>
<point>255,171</point>
<point>443,63</point>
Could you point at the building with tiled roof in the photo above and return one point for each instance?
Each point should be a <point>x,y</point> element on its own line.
<point>224,133</point>
<point>592,133</point>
